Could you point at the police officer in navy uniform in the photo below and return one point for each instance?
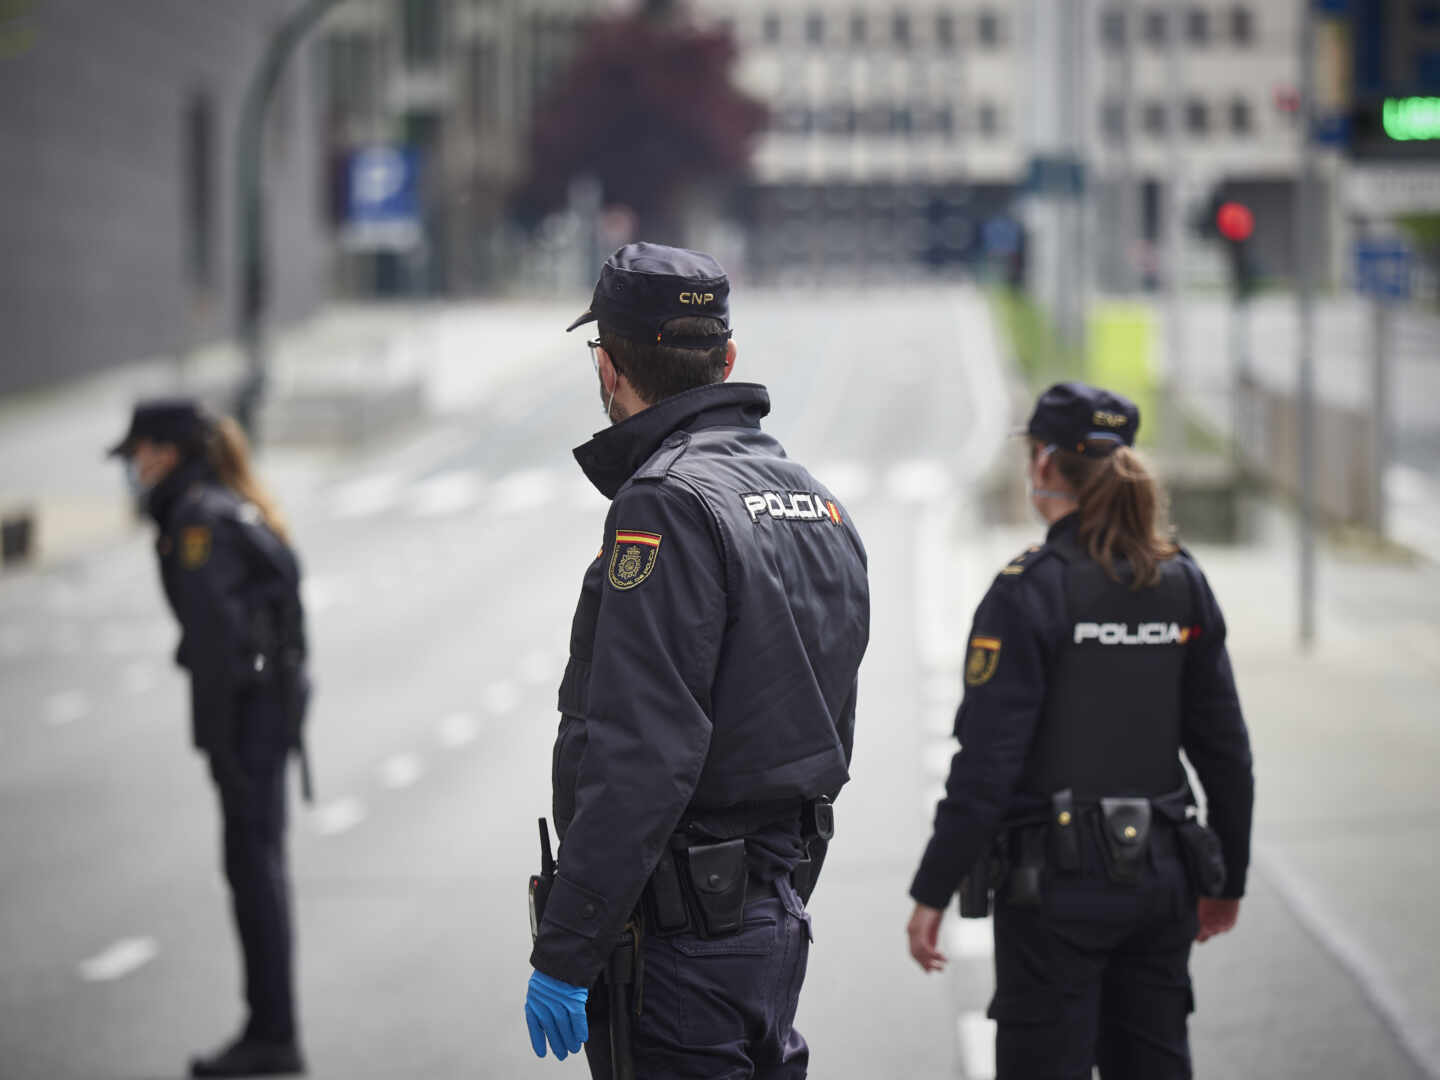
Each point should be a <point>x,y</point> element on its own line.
<point>232,580</point>
<point>707,708</point>
<point>1095,658</point>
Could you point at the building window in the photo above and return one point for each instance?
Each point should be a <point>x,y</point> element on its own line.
<point>900,29</point>
<point>1242,25</point>
<point>1197,26</point>
<point>987,119</point>
<point>945,30</point>
<point>1156,25</point>
<point>987,29</point>
<point>1242,121</point>
<point>423,33</point>
<point>858,29</point>
<point>770,29</point>
<point>1197,117</point>
<point>1112,28</point>
<point>1155,118</point>
<point>1112,120</point>
<point>815,28</point>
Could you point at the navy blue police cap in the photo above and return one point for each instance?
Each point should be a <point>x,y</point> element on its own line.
<point>1084,419</point>
<point>164,420</point>
<point>643,286</point>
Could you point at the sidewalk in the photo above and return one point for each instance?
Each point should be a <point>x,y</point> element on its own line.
<point>452,357</point>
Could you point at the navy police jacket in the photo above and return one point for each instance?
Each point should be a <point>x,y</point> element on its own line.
<point>1054,699</point>
<point>713,659</point>
<point>221,567</point>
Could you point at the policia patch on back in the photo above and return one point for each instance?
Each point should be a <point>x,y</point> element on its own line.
<point>633,558</point>
<point>984,658</point>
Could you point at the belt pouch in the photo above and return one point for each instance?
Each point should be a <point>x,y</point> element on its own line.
<point>1204,859</point>
<point>718,874</point>
<point>1022,884</point>
<point>666,896</point>
<point>1064,831</point>
<point>1125,836</point>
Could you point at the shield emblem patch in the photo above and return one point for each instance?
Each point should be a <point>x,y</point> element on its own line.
<point>984,658</point>
<point>633,558</point>
<point>194,546</point>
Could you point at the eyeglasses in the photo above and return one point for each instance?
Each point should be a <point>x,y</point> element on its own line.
<point>594,347</point>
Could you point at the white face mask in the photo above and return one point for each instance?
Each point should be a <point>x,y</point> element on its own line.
<point>139,489</point>
<point>1044,493</point>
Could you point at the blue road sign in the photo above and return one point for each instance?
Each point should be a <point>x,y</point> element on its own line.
<point>1384,269</point>
<point>382,203</point>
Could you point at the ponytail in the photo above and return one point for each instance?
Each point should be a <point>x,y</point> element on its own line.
<point>228,452</point>
<point>1123,512</point>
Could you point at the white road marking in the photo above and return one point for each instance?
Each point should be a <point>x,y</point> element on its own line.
<point>917,481</point>
<point>138,678</point>
<point>338,816</point>
<point>529,489</point>
<point>66,707</point>
<point>539,667</point>
<point>501,698</point>
<point>366,496</point>
<point>119,960</point>
<point>937,755</point>
<point>401,771</point>
<point>458,729</point>
<point>319,594</point>
<point>446,493</point>
<point>976,1034</point>
<point>850,482</point>
<point>969,938</point>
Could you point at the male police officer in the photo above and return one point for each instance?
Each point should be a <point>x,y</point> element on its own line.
<point>707,709</point>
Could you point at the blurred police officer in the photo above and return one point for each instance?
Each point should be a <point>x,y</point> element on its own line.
<point>232,581</point>
<point>1095,658</point>
<point>707,707</point>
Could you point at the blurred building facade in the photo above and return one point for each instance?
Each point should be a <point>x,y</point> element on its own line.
<point>456,83</point>
<point>117,215</point>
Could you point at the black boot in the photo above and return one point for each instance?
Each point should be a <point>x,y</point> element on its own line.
<point>251,1057</point>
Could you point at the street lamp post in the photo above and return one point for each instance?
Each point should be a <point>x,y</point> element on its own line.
<point>253,277</point>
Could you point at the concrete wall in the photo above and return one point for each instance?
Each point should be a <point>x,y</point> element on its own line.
<point>95,263</point>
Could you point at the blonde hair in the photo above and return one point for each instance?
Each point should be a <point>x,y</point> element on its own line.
<point>1124,511</point>
<point>228,452</point>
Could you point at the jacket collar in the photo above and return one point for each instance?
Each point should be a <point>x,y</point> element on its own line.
<point>612,456</point>
<point>165,496</point>
<point>1066,528</point>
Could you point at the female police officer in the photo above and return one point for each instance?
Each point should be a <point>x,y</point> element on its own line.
<point>1094,660</point>
<point>232,582</point>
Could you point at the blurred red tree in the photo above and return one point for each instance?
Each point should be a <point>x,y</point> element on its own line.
<point>649,109</point>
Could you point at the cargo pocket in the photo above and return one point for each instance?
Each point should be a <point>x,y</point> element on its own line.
<point>1028,1008</point>
<point>724,982</point>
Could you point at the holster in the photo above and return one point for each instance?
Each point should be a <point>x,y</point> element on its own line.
<point>1027,865</point>
<point>718,875</point>
<point>1124,838</point>
<point>1204,858</point>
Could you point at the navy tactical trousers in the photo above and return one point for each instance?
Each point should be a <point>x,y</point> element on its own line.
<point>1097,975</point>
<point>722,1009</point>
<point>253,810</point>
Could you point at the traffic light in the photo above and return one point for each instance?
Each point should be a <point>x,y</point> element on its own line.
<point>1235,224</point>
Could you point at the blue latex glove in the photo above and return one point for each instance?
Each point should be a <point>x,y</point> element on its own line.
<point>556,1010</point>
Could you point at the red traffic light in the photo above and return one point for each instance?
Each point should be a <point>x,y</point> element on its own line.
<point>1235,221</point>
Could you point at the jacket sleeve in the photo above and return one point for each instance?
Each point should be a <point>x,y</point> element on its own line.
<point>657,642</point>
<point>1215,739</point>
<point>210,604</point>
<point>996,724</point>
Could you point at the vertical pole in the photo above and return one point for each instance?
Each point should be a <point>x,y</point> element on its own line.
<point>1305,295</point>
<point>1173,433</point>
<point>1381,448</point>
<point>1240,380</point>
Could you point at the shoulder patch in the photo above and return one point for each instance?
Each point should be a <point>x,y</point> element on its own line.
<point>982,661</point>
<point>195,544</point>
<point>633,558</point>
<point>1022,562</point>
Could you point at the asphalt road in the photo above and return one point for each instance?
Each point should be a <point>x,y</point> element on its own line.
<point>442,576</point>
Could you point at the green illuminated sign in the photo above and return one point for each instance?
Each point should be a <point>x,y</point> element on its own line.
<point>1412,119</point>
